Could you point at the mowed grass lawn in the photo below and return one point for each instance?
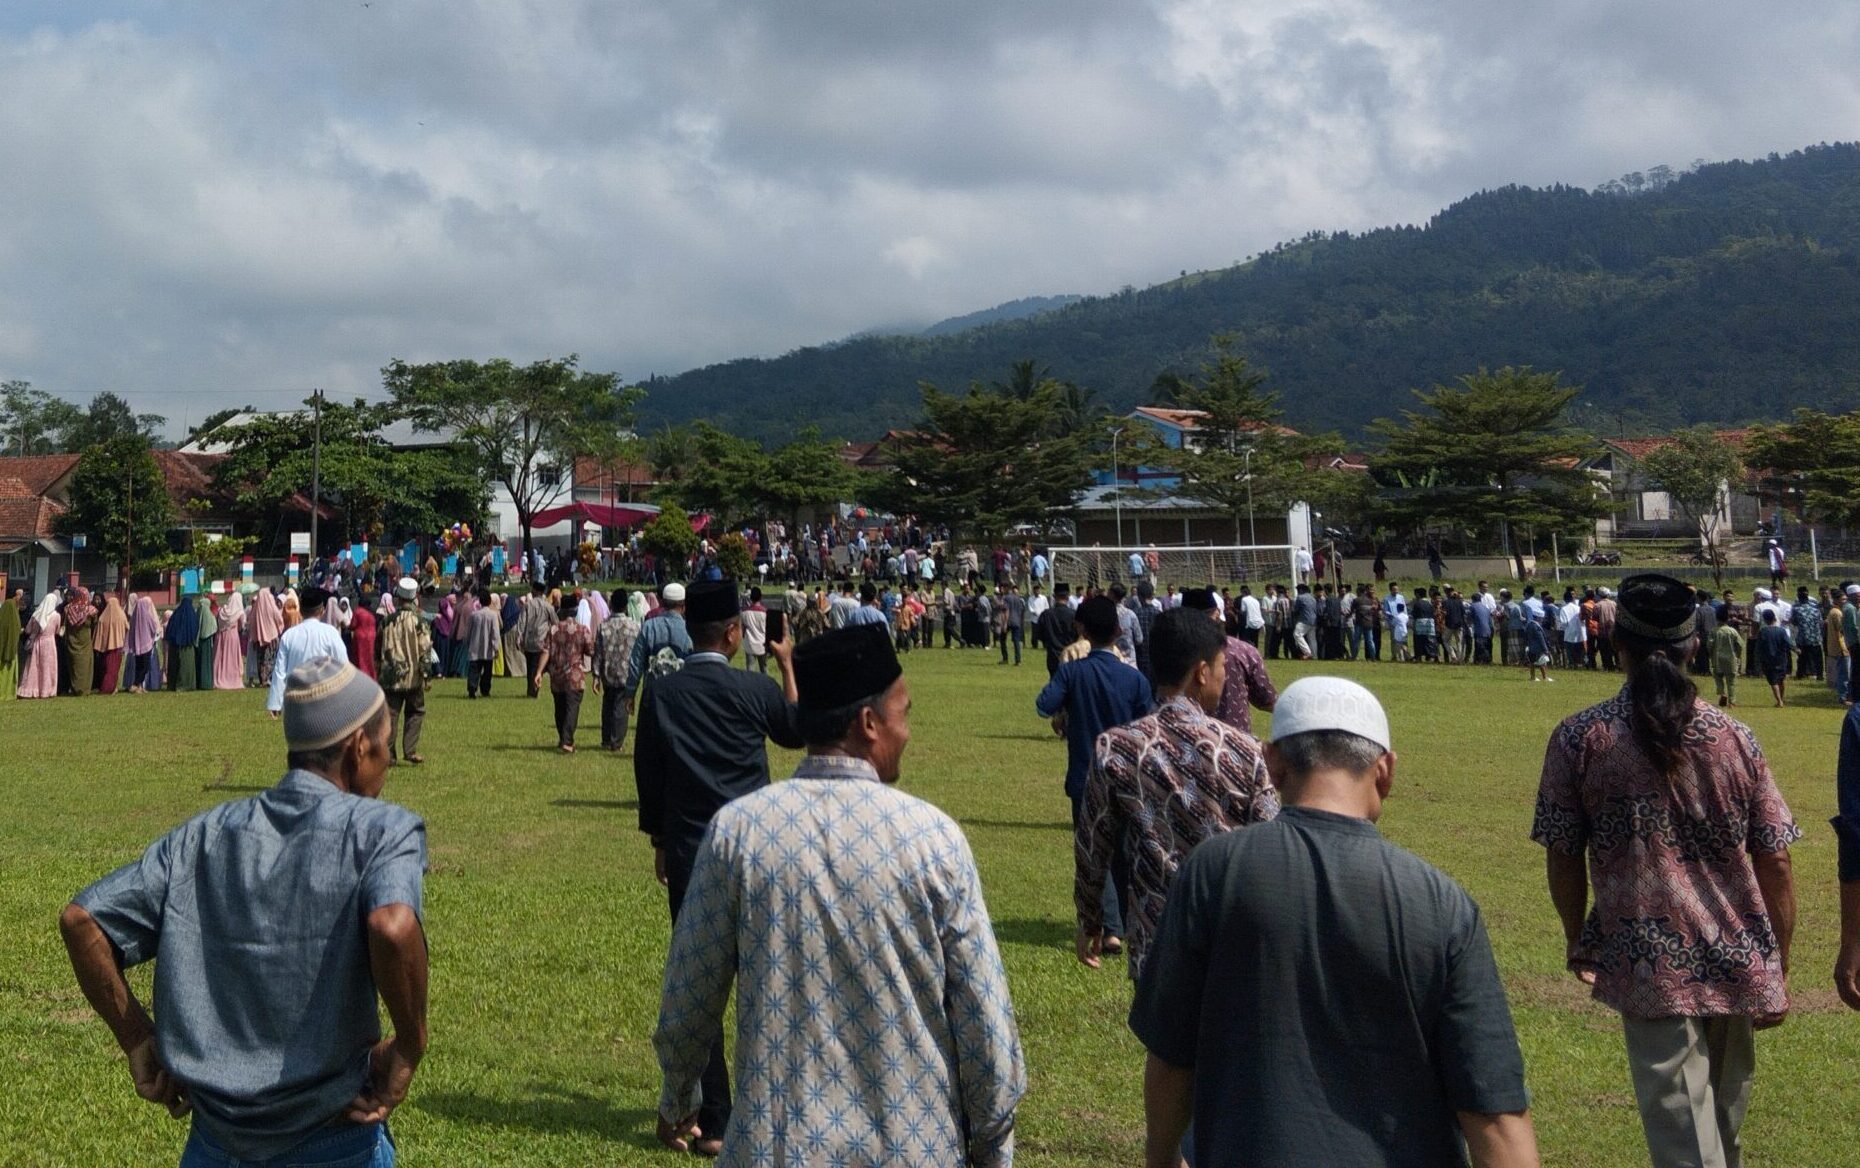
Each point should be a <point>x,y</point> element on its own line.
<point>547,930</point>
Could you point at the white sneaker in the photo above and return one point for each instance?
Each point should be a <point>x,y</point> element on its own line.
<point>1549,679</point>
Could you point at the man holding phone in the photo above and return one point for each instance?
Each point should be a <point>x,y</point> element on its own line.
<point>702,742</point>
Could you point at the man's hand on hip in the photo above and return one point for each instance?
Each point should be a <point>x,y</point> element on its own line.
<point>390,1073</point>
<point>153,1081</point>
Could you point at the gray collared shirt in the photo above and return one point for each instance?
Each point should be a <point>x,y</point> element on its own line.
<point>255,915</point>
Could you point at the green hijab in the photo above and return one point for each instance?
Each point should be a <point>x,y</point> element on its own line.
<point>209,625</point>
<point>9,632</point>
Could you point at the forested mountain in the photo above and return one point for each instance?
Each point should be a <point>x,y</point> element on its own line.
<point>1730,293</point>
<point>1013,310</point>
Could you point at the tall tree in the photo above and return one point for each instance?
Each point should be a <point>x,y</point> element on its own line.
<point>109,418</point>
<point>119,500</point>
<point>33,421</point>
<point>1697,470</point>
<point>809,472</point>
<point>1814,458</point>
<point>1238,457</point>
<point>380,491</point>
<point>989,459</point>
<point>724,477</point>
<point>670,452</point>
<point>1492,452</point>
<point>521,425</point>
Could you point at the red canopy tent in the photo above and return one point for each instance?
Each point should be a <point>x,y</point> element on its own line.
<point>607,515</point>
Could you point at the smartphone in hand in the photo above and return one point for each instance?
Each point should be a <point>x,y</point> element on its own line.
<point>778,626</point>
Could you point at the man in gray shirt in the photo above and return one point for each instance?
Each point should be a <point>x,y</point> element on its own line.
<point>273,922</point>
<point>1318,996</point>
<point>1016,606</point>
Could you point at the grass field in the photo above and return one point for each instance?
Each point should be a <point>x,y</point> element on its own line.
<point>547,930</point>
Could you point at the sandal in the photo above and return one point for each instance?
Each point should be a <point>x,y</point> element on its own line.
<point>414,759</point>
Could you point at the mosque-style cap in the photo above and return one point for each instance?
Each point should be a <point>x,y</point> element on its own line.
<point>313,598</point>
<point>407,589</point>
<point>1329,703</point>
<point>712,600</point>
<point>673,593</point>
<point>325,701</point>
<point>845,666</point>
<point>1656,608</point>
<point>1199,599</point>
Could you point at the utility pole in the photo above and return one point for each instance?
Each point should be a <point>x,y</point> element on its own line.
<point>1117,484</point>
<point>316,473</point>
<point>129,531</point>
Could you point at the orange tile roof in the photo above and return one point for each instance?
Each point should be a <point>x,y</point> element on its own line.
<point>37,471</point>
<point>28,518</point>
<point>1640,447</point>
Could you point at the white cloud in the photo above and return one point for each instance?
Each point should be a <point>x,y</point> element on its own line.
<point>210,204</point>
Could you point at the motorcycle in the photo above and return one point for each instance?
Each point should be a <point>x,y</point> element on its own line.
<point>1598,557</point>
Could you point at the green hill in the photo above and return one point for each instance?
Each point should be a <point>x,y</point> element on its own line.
<point>1731,292</point>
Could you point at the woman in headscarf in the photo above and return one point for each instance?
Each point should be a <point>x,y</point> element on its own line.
<point>293,611</point>
<point>267,625</point>
<point>108,643</point>
<point>204,647</point>
<point>443,625</point>
<point>80,623</point>
<point>228,647</point>
<point>41,679</point>
<point>636,605</point>
<point>183,639</point>
<point>9,646</point>
<point>512,611</point>
<point>362,638</point>
<point>461,621</point>
<point>144,631</point>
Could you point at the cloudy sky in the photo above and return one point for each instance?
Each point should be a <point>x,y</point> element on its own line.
<point>208,204</point>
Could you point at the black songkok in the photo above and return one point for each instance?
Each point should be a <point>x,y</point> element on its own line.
<point>711,601</point>
<point>846,666</point>
<point>1656,608</point>
<point>1199,599</point>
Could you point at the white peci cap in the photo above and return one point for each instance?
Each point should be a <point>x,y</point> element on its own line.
<point>672,593</point>
<point>1329,703</point>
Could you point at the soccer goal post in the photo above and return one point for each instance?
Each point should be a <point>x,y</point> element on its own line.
<point>1170,567</point>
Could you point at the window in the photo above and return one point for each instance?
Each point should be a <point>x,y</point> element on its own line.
<point>1656,506</point>
<point>549,475</point>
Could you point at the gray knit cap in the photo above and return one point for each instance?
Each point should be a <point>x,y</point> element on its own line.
<point>325,701</point>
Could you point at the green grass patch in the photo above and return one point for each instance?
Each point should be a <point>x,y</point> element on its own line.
<point>548,932</point>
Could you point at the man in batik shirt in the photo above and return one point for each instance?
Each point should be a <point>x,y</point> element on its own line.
<point>1246,687</point>
<point>1165,783</point>
<point>1686,840</point>
<point>873,1026</point>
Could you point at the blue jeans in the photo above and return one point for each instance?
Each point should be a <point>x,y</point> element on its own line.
<point>1838,682</point>
<point>366,1146</point>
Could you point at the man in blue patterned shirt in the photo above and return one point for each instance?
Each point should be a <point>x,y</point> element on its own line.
<point>874,1025</point>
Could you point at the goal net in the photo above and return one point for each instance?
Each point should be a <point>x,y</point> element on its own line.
<point>1170,567</point>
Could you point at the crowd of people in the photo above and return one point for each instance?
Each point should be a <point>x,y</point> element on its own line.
<point>1264,921</point>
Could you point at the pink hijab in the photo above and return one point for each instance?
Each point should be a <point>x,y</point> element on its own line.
<point>267,618</point>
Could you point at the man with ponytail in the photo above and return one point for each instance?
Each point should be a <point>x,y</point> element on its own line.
<point>1664,803</point>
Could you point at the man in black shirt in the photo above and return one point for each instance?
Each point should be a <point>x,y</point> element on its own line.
<point>1054,629</point>
<point>701,743</point>
<point>1318,996</point>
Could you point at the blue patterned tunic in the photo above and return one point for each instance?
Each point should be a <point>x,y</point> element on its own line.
<point>873,1025</point>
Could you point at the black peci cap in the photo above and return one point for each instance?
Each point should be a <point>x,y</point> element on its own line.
<point>845,666</point>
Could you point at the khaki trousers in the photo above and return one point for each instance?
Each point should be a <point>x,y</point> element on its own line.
<point>1692,1080</point>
